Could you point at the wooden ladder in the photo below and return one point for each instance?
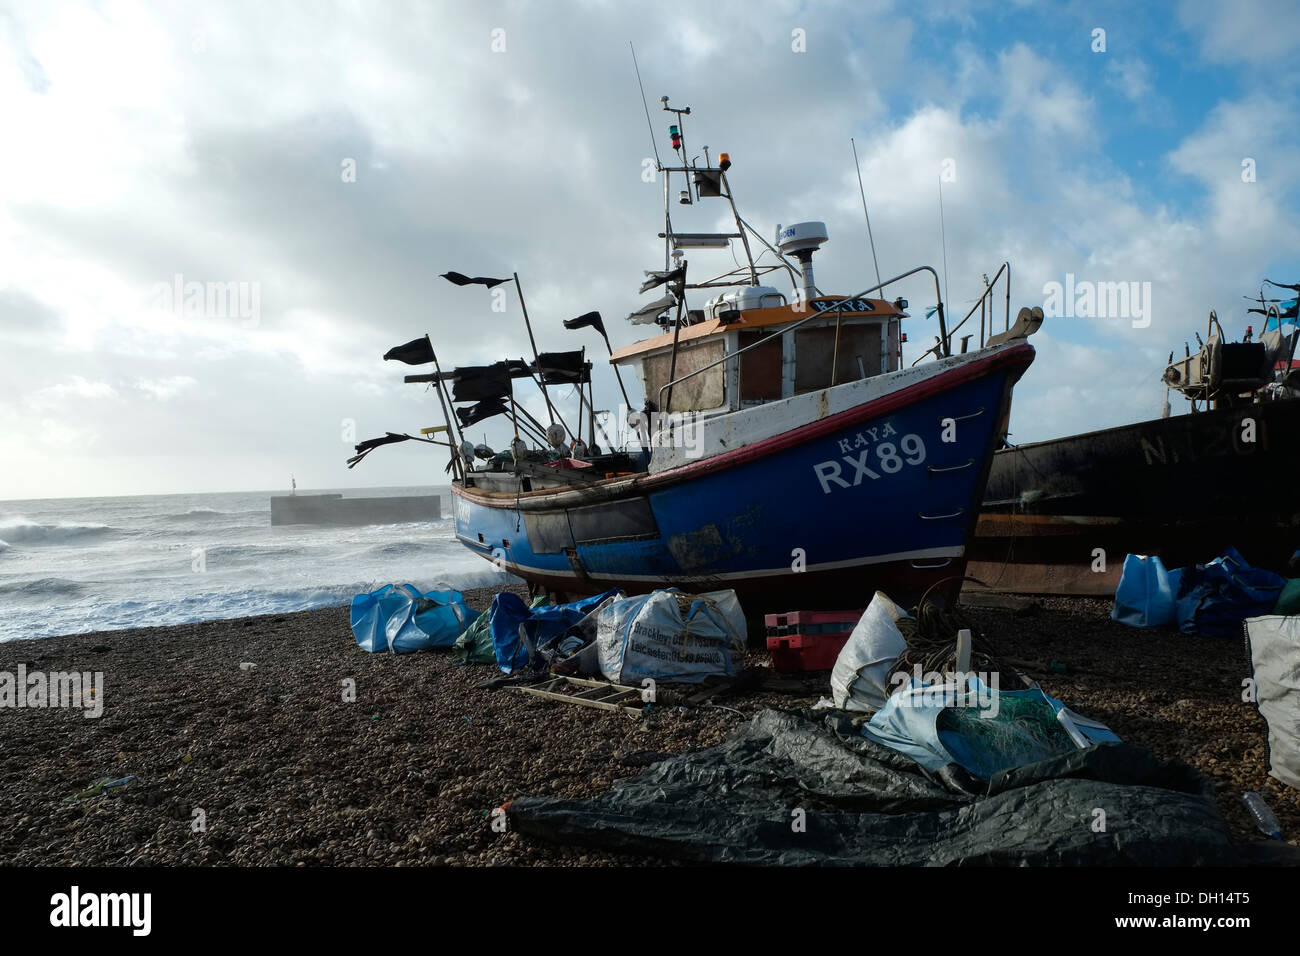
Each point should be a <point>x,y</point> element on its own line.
<point>587,693</point>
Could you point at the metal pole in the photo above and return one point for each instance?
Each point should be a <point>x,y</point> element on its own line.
<point>451,430</point>
<point>531,426</point>
<point>514,416</point>
<point>858,168</point>
<point>591,407</point>
<point>672,364</point>
<point>835,354</point>
<point>617,374</point>
<point>557,418</point>
<point>536,358</point>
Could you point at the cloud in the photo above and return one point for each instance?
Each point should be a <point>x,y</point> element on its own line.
<point>164,390</point>
<point>78,392</point>
<point>211,144</point>
<point>1130,76</point>
<point>1258,33</point>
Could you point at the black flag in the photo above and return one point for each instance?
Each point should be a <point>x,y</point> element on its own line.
<point>660,278</point>
<point>589,319</point>
<point>460,279</point>
<point>415,352</point>
<point>476,413</point>
<point>370,444</point>
<point>476,383</point>
<point>389,439</point>
<point>561,368</point>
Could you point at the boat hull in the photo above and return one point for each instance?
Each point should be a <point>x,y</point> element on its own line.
<point>881,495</point>
<point>1059,516</point>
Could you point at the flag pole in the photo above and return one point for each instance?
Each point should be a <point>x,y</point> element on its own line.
<point>617,373</point>
<point>448,418</point>
<point>565,425</point>
<point>591,407</point>
<point>533,342</point>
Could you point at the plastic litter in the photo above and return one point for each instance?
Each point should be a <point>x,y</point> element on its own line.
<point>1265,822</point>
<point>98,788</point>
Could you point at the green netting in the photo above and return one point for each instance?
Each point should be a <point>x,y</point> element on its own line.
<point>1025,730</point>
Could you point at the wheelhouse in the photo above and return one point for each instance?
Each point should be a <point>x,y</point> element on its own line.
<point>713,374</point>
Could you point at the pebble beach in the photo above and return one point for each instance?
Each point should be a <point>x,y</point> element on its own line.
<point>269,764</point>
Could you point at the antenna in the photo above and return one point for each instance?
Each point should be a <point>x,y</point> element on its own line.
<point>858,168</point>
<point>646,106</point>
<point>943,239</point>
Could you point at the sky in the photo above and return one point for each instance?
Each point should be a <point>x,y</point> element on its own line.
<point>320,164</point>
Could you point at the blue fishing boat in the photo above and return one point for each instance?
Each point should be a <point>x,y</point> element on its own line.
<point>783,447</point>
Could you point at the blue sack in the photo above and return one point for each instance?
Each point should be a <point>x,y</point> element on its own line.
<point>1145,596</point>
<point>401,619</point>
<point>1213,599</point>
<point>519,632</point>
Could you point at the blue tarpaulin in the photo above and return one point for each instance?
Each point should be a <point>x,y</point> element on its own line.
<point>1214,598</point>
<point>399,618</point>
<point>518,631</point>
<point>1207,599</point>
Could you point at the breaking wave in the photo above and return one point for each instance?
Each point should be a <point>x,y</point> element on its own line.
<point>43,587</point>
<point>21,531</point>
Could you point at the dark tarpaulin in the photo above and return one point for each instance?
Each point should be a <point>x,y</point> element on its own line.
<point>476,413</point>
<point>864,804</point>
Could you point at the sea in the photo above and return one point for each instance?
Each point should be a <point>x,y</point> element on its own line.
<point>76,565</point>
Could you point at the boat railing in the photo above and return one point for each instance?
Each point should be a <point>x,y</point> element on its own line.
<point>986,299</point>
<point>837,309</point>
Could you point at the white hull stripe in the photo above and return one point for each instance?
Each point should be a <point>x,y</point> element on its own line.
<point>930,553</point>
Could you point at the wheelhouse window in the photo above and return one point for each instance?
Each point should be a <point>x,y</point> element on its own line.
<point>760,367</point>
<point>859,355</point>
<point>698,393</point>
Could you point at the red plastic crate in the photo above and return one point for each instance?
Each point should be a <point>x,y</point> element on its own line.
<point>811,622</point>
<point>806,652</point>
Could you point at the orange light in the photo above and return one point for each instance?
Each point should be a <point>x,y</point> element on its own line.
<point>724,157</point>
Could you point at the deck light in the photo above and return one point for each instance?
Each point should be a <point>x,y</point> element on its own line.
<point>724,161</point>
<point>677,137</point>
